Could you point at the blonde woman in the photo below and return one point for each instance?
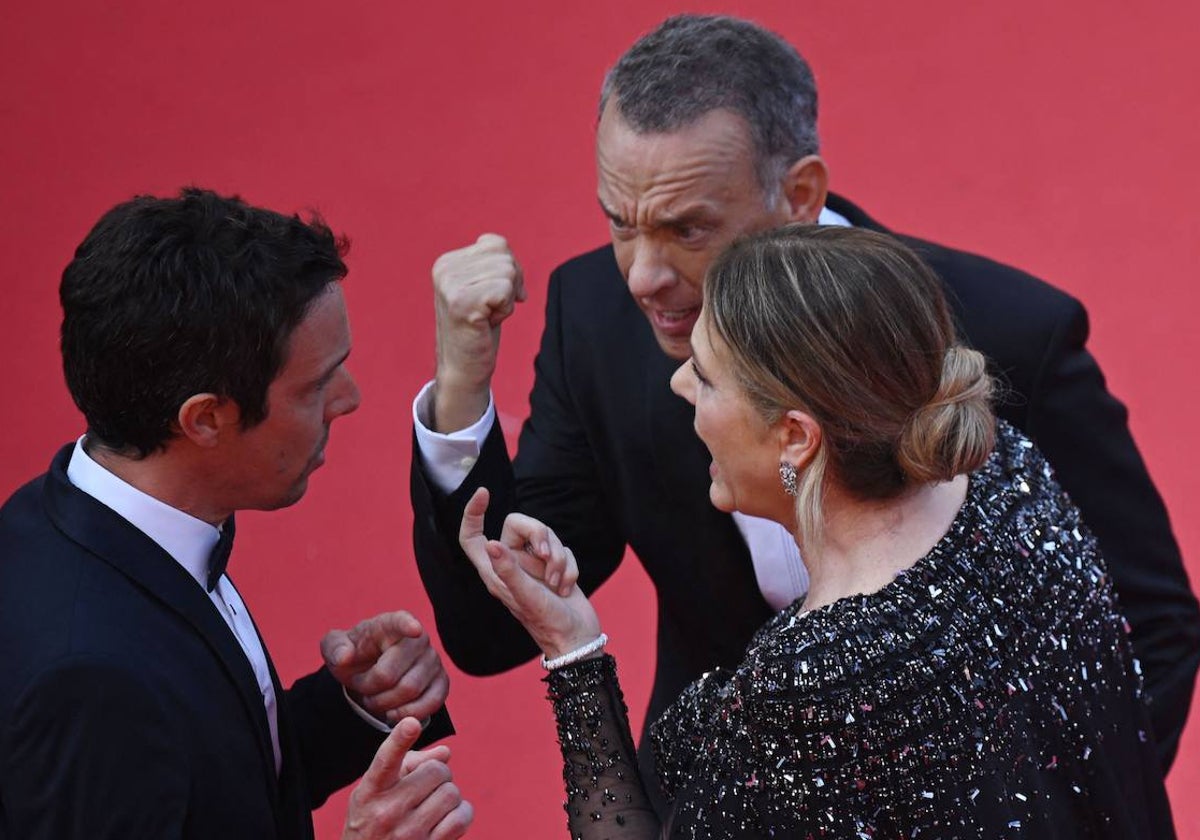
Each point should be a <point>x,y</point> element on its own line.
<point>958,668</point>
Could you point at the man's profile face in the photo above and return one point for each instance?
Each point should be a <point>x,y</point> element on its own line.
<point>271,462</point>
<point>674,201</point>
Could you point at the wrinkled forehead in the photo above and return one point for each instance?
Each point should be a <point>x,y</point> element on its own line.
<point>708,161</point>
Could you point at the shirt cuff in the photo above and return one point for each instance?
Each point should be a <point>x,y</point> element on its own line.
<point>448,458</point>
<point>375,722</point>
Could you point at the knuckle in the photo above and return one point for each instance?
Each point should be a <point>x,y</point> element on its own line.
<point>441,689</point>
<point>449,793</point>
<point>411,684</point>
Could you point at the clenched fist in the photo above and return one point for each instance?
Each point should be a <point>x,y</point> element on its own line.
<point>474,290</point>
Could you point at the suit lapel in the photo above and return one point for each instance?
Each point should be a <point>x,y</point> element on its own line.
<point>291,806</point>
<point>114,540</point>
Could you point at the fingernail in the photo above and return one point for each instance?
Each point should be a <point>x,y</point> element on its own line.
<point>554,579</point>
<point>544,550</point>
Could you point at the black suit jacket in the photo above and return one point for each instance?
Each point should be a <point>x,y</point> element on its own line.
<point>127,707</point>
<point>608,458</point>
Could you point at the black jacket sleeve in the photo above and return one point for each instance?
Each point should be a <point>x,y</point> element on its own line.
<point>606,797</point>
<point>335,745</point>
<point>1083,431</point>
<point>1036,337</point>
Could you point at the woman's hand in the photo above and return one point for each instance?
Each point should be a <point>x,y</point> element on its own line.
<point>533,574</point>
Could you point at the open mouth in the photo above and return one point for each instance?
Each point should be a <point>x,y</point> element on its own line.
<point>675,322</point>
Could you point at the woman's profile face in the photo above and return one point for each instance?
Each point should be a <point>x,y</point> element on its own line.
<point>745,450</point>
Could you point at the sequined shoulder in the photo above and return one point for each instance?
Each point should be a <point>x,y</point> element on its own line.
<point>964,689</point>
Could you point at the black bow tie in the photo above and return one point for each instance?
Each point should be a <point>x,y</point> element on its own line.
<point>219,559</point>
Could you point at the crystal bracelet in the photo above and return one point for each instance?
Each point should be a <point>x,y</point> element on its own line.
<point>571,657</point>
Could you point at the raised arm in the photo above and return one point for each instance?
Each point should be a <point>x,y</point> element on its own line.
<point>533,576</point>
<point>475,289</point>
<point>555,481</point>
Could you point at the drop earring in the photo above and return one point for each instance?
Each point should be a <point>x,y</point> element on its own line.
<point>787,474</point>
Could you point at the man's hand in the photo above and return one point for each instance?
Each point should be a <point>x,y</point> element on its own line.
<point>388,666</point>
<point>407,795</point>
<point>474,290</point>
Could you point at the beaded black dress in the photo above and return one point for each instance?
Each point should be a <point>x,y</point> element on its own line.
<point>987,692</point>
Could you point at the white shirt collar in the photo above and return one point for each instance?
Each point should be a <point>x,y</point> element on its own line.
<point>832,217</point>
<point>188,539</point>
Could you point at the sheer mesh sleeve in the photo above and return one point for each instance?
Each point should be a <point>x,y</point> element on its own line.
<point>605,796</point>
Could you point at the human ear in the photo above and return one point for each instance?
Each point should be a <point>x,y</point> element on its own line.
<point>799,439</point>
<point>203,417</point>
<point>805,187</point>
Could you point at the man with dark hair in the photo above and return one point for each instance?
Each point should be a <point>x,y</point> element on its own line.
<point>707,132</point>
<point>205,342</point>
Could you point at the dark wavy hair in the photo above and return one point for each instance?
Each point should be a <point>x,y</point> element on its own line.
<point>171,297</point>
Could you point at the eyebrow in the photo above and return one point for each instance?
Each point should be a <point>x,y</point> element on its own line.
<point>608,211</point>
<point>328,372</point>
<point>690,216</point>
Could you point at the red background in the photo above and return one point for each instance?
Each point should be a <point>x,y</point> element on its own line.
<point>1059,137</point>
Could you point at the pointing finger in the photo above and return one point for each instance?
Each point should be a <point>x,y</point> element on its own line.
<point>376,634</point>
<point>385,769</point>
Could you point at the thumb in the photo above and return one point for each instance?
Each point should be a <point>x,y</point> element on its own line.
<point>492,240</point>
<point>472,520</point>
<point>385,769</point>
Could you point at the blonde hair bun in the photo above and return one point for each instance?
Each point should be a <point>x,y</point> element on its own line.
<point>954,432</point>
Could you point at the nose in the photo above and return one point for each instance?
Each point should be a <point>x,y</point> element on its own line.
<point>683,382</point>
<point>650,272</point>
<point>347,396</point>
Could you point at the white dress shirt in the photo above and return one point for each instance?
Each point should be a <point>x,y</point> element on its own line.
<point>778,568</point>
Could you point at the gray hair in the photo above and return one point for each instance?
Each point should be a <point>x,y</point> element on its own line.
<point>693,64</point>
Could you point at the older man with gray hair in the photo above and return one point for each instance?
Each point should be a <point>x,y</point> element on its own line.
<point>707,131</point>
